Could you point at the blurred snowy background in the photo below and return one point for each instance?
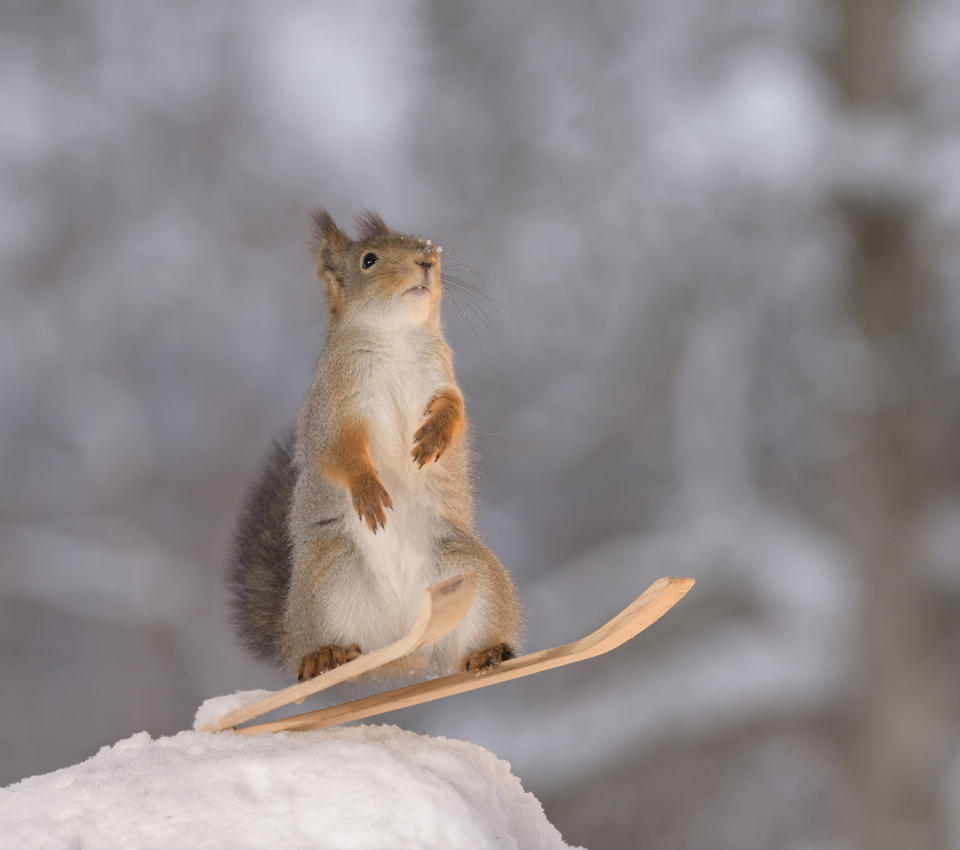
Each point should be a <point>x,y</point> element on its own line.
<point>716,332</point>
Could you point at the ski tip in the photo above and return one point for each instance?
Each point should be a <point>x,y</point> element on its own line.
<point>672,587</point>
<point>676,584</point>
<point>463,585</point>
<point>444,605</point>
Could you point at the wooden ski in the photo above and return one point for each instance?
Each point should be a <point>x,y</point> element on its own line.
<point>649,607</point>
<point>442,607</point>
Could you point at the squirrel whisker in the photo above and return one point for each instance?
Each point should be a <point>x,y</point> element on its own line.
<point>473,328</point>
<point>477,308</point>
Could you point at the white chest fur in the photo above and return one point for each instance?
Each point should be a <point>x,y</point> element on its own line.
<point>398,381</point>
<point>398,375</point>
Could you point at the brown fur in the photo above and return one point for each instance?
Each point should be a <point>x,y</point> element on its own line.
<point>326,658</point>
<point>444,421</point>
<point>347,461</point>
<point>371,225</point>
<point>487,658</point>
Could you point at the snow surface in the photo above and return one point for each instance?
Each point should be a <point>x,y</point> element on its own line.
<point>346,788</point>
<point>214,708</point>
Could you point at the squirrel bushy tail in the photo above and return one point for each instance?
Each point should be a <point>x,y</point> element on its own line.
<point>262,557</point>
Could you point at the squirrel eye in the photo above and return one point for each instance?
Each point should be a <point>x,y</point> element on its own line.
<point>369,260</point>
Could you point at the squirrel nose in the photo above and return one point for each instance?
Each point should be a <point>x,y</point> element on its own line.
<point>427,256</point>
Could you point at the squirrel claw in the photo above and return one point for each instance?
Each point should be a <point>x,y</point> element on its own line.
<point>326,658</point>
<point>370,500</point>
<point>487,659</point>
<point>430,444</point>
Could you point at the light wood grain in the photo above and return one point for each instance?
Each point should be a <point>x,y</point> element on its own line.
<point>649,607</point>
<point>442,607</point>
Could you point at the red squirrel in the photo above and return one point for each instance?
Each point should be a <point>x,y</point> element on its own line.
<point>369,501</point>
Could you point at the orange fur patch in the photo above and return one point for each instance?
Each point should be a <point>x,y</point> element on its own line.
<point>326,658</point>
<point>445,419</point>
<point>336,297</point>
<point>487,659</point>
<point>348,462</point>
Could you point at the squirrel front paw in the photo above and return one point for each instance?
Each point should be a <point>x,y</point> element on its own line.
<point>443,419</point>
<point>326,658</point>
<point>370,499</point>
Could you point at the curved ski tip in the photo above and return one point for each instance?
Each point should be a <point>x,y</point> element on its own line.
<point>445,604</point>
<point>676,584</point>
<point>462,583</point>
<point>679,586</point>
<point>680,583</point>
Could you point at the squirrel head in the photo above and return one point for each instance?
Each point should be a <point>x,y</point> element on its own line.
<point>397,274</point>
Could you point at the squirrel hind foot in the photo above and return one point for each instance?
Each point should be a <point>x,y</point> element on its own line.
<point>325,658</point>
<point>487,659</point>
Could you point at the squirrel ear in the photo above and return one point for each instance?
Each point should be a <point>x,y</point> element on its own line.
<point>327,242</point>
<point>371,225</point>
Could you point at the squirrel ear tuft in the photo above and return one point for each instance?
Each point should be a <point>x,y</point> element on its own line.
<point>327,241</point>
<point>371,225</point>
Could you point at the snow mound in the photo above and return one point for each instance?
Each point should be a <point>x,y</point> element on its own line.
<point>214,708</point>
<point>350,787</point>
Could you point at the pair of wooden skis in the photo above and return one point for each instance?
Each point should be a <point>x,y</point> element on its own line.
<point>442,607</point>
